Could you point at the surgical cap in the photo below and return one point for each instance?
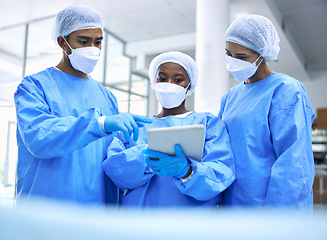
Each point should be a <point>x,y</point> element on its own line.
<point>75,18</point>
<point>256,33</point>
<point>179,58</point>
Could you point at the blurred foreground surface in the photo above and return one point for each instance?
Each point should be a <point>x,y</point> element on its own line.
<point>53,221</point>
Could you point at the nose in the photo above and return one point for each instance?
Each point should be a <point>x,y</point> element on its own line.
<point>94,44</point>
<point>171,80</point>
<point>91,44</point>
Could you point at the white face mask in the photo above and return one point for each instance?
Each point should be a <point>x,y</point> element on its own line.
<point>170,95</point>
<point>84,59</point>
<point>241,69</point>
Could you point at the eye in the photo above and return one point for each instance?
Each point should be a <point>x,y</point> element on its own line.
<point>161,79</point>
<point>228,54</point>
<point>98,43</point>
<point>83,42</point>
<point>242,57</point>
<point>178,80</point>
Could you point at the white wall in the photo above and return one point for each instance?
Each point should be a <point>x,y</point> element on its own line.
<point>317,89</point>
<point>289,61</point>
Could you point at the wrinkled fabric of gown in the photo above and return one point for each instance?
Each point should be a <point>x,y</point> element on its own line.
<point>127,167</point>
<point>61,146</point>
<point>269,123</point>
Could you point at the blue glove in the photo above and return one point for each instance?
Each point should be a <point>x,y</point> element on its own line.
<point>127,123</point>
<point>165,165</point>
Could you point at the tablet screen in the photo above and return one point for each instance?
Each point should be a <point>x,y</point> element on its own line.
<point>190,138</point>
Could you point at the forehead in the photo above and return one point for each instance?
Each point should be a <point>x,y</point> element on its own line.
<point>237,48</point>
<point>171,67</point>
<point>91,32</point>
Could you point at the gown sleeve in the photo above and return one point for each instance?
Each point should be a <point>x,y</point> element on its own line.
<point>125,164</point>
<point>292,174</point>
<point>222,106</point>
<point>127,167</point>
<point>216,171</point>
<point>46,135</point>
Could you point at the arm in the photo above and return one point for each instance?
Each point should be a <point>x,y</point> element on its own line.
<point>126,165</point>
<point>46,135</point>
<point>292,174</point>
<point>222,106</point>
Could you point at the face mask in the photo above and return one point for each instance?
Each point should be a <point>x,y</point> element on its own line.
<point>170,95</point>
<point>240,69</point>
<point>84,59</point>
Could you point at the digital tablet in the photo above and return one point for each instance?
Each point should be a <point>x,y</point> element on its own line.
<point>190,138</point>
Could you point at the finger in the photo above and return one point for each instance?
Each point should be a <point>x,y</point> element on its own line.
<point>147,158</point>
<point>125,132</point>
<point>178,150</point>
<point>154,164</point>
<point>146,152</point>
<point>134,129</point>
<point>120,126</point>
<point>155,154</point>
<point>157,172</point>
<point>129,127</point>
<point>151,163</point>
<point>140,124</point>
<point>136,132</point>
<point>141,119</point>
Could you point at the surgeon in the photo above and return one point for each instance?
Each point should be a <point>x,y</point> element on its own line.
<point>155,179</point>
<point>268,117</point>
<point>66,119</point>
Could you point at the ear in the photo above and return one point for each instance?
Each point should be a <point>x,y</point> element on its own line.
<point>189,87</point>
<point>62,43</point>
<point>262,61</point>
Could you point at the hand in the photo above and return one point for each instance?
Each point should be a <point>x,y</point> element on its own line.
<point>177,166</point>
<point>127,123</point>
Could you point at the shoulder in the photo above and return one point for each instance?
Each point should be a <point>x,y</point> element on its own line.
<point>106,91</point>
<point>232,92</point>
<point>284,82</point>
<point>288,88</point>
<point>234,89</point>
<point>287,91</point>
<point>35,80</point>
<point>40,76</point>
<point>210,119</point>
<point>46,72</point>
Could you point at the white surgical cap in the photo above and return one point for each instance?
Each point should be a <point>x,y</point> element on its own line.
<point>179,58</point>
<point>75,18</point>
<point>256,33</point>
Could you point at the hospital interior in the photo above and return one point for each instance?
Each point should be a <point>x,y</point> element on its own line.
<point>134,33</point>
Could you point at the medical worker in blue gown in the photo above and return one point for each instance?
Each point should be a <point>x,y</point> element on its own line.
<point>154,179</point>
<point>268,117</point>
<point>66,119</point>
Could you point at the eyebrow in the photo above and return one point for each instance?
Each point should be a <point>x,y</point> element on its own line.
<point>88,38</point>
<point>237,54</point>
<point>178,74</point>
<point>162,73</point>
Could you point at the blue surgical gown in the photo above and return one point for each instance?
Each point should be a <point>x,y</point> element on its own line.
<point>127,168</point>
<point>61,146</point>
<point>269,123</point>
